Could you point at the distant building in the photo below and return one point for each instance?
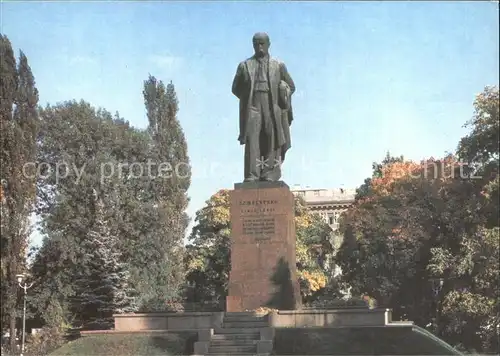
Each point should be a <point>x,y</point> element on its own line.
<point>329,203</point>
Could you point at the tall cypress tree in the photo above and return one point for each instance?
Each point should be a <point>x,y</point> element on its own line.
<point>8,86</point>
<point>168,194</point>
<point>19,123</point>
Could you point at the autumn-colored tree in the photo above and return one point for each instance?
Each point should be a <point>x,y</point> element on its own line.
<point>314,247</point>
<point>421,239</point>
<point>208,254</point>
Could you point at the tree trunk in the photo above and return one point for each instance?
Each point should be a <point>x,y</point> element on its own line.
<point>12,320</point>
<point>12,290</point>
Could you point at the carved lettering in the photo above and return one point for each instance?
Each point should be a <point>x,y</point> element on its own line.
<point>259,227</point>
<point>257,202</point>
<point>257,210</point>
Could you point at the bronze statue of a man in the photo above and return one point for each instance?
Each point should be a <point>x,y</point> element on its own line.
<point>264,88</point>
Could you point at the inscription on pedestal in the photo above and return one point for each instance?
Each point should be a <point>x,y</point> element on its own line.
<point>259,227</point>
<point>257,220</point>
<point>250,207</point>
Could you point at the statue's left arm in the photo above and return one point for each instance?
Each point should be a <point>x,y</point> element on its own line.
<point>238,81</point>
<point>287,78</point>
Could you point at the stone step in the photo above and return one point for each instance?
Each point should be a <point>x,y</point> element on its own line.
<point>234,342</point>
<point>240,330</point>
<point>243,353</point>
<point>244,318</point>
<point>231,350</point>
<point>236,336</point>
<point>249,313</point>
<point>245,324</point>
<point>236,353</point>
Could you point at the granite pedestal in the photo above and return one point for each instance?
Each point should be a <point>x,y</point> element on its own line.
<point>263,266</point>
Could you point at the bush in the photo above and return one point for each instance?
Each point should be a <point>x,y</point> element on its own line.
<point>5,351</point>
<point>263,310</point>
<point>174,307</point>
<point>335,303</point>
<point>45,341</point>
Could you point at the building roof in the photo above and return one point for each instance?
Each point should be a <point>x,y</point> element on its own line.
<point>326,196</point>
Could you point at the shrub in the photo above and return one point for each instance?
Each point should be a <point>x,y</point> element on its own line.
<point>174,307</point>
<point>335,303</point>
<point>45,341</point>
<point>264,310</point>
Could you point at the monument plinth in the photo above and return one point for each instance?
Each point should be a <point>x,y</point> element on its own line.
<point>263,267</point>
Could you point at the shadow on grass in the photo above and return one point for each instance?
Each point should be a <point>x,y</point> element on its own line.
<point>180,343</point>
<point>358,341</point>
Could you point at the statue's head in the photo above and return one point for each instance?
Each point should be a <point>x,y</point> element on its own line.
<point>261,44</point>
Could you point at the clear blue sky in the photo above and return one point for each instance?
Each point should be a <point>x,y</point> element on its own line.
<point>370,76</point>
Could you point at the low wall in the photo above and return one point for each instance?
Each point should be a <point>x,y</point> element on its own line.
<point>278,319</point>
<point>168,321</point>
<point>329,318</point>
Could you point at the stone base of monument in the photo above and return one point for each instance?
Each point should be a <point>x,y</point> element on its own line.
<point>263,266</point>
<point>305,318</point>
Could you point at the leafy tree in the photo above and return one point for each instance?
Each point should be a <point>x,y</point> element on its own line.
<point>49,299</point>
<point>314,247</point>
<point>467,314</point>
<point>168,192</point>
<point>389,235</point>
<point>471,312</point>
<point>94,150</point>
<point>18,121</point>
<point>208,254</point>
<point>480,145</point>
<point>75,142</point>
<point>480,149</point>
<point>422,239</point>
<point>102,284</point>
<point>377,168</point>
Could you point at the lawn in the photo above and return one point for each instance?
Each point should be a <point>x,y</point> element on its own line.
<point>129,345</point>
<point>407,340</point>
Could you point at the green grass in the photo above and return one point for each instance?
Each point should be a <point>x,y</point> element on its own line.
<point>400,340</point>
<point>129,345</point>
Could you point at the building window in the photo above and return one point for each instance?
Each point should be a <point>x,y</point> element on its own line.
<point>333,218</point>
<point>316,193</point>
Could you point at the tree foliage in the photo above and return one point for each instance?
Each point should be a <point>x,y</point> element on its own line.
<point>168,194</point>
<point>102,283</point>
<point>78,145</point>
<point>86,150</point>
<point>19,125</point>
<point>422,239</point>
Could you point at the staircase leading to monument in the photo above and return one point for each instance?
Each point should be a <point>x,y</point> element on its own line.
<point>238,335</point>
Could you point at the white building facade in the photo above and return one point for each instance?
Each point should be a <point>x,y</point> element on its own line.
<point>328,203</point>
